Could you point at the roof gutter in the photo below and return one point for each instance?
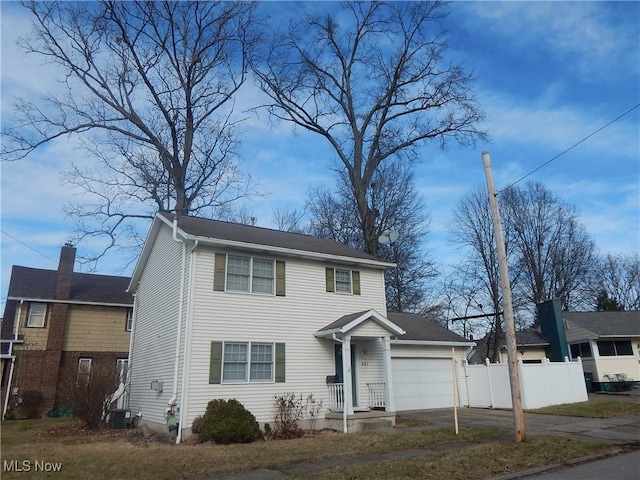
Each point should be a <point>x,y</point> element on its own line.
<point>433,343</point>
<point>70,302</point>
<point>290,252</point>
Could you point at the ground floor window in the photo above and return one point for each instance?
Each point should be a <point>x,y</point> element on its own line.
<point>582,350</point>
<point>245,362</point>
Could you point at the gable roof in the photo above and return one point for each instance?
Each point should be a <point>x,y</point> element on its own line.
<point>250,235</point>
<point>258,239</point>
<point>421,329</point>
<point>346,323</point>
<point>39,284</point>
<point>607,324</point>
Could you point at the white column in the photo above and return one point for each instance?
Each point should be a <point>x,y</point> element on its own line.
<point>346,375</point>
<point>388,376</point>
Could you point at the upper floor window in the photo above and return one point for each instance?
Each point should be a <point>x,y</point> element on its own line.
<point>613,348</point>
<point>129,324</point>
<point>234,273</point>
<point>37,314</point>
<point>342,281</point>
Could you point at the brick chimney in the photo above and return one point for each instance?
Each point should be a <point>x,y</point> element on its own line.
<point>57,326</point>
<point>65,271</point>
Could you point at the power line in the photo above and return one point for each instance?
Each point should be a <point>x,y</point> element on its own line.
<point>28,246</point>
<point>571,147</point>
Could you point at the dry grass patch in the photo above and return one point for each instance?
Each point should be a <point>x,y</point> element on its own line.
<point>592,409</point>
<point>477,462</point>
<point>121,454</point>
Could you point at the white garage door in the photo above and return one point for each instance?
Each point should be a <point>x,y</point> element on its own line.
<point>420,383</point>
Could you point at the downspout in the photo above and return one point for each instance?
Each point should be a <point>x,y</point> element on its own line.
<point>344,396</point>
<point>134,313</point>
<point>187,343</point>
<point>174,392</point>
<point>16,325</point>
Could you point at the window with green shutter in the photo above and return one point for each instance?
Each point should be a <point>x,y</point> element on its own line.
<point>342,280</point>
<point>249,274</point>
<point>247,362</point>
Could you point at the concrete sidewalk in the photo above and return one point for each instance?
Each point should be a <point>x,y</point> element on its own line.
<point>616,431</point>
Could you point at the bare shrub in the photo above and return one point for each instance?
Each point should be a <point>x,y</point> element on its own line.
<point>289,410</point>
<point>88,393</point>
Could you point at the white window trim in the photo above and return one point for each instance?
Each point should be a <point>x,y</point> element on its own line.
<point>120,362</point>
<point>86,361</point>
<point>250,291</point>
<point>128,326</point>
<point>247,379</point>
<point>29,323</point>
<point>335,281</point>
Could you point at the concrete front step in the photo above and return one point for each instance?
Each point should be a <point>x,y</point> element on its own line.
<point>378,424</point>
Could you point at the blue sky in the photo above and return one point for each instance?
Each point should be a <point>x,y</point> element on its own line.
<point>547,76</point>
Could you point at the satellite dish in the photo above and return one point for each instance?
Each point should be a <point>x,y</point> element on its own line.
<point>388,236</point>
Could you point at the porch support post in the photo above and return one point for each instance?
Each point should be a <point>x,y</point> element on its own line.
<point>346,375</point>
<point>388,377</point>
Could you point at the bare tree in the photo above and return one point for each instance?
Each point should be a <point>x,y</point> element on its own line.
<point>477,278</point>
<point>398,208</point>
<point>149,89</point>
<point>371,79</point>
<point>554,252</point>
<point>617,282</point>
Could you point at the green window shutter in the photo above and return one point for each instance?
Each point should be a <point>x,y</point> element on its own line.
<point>330,281</point>
<point>280,363</point>
<point>219,272</point>
<point>280,279</point>
<point>215,363</point>
<point>355,280</point>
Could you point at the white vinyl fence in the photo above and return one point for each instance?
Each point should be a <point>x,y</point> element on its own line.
<point>542,384</point>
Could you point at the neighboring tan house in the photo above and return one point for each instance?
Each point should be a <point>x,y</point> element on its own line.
<point>531,347</point>
<point>234,311</point>
<point>609,345</point>
<point>59,321</point>
<point>607,342</point>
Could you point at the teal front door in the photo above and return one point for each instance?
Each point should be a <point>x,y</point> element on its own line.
<point>339,371</point>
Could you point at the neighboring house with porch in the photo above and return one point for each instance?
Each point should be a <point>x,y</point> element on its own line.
<point>609,345</point>
<point>58,321</point>
<point>234,311</point>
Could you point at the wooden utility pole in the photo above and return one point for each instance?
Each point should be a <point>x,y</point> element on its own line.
<point>514,374</point>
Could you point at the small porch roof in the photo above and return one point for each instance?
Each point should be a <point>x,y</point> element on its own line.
<point>347,323</point>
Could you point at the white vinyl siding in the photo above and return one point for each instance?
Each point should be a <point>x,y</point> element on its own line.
<point>269,319</point>
<point>154,344</point>
<point>37,314</point>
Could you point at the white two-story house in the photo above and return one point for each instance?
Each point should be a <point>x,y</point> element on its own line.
<point>225,310</point>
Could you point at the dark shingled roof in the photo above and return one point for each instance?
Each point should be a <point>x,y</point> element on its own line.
<point>216,229</point>
<point>85,287</point>
<point>524,339</point>
<point>342,321</point>
<point>607,324</point>
<point>420,328</point>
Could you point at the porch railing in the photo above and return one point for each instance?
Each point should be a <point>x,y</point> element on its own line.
<point>377,394</point>
<point>336,396</point>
